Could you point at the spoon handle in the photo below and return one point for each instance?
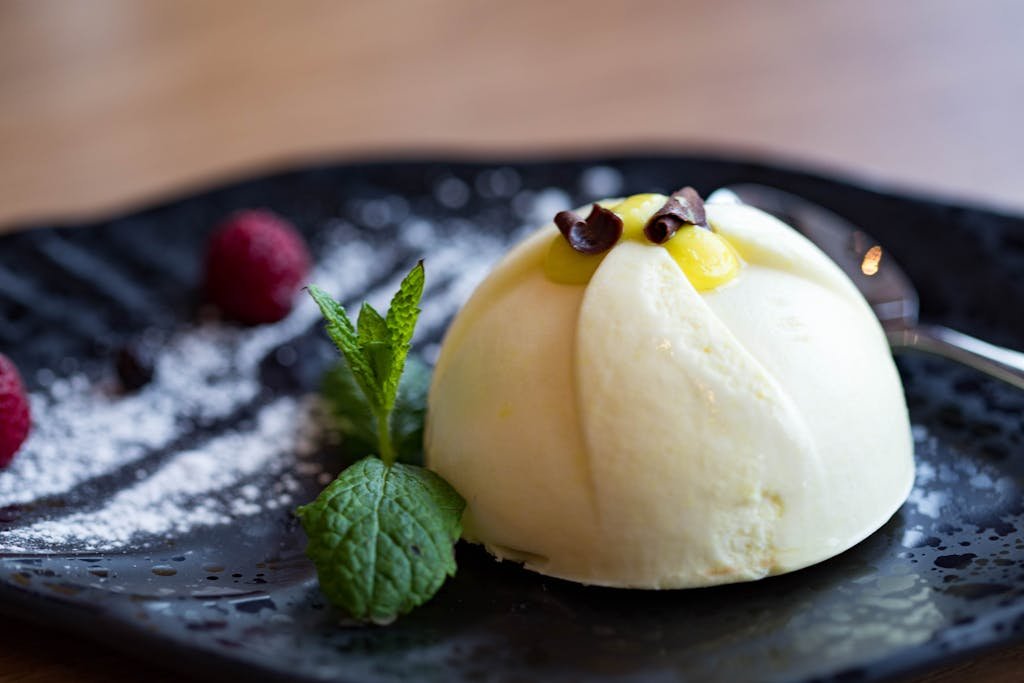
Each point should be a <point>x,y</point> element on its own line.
<point>993,360</point>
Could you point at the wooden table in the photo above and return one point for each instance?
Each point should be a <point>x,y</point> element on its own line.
<point>108,104</point>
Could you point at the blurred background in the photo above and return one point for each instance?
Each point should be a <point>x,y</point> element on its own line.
<point>106,104</point>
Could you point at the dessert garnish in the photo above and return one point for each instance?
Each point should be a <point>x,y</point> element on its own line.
<point>597,234</point>
<point>381,535</point>
<point>684,207</point>
<point>15,413</point>
<point>256,261</point>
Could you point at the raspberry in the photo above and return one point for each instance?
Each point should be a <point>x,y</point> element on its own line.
<point>255,264</point>
<point>14,411</point>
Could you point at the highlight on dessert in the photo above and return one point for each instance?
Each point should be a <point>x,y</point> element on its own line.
<point>658,393</point>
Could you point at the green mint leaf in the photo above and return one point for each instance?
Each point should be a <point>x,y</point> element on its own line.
<point>343,333</point>
<point>354,420</point>
<point>372,326</point>
<point>401,322</point>
<point>382,537</point>
<point>375,343</point>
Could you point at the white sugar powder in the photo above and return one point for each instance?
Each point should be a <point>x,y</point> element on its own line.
<point>179,496</point>
<point>81,431</point>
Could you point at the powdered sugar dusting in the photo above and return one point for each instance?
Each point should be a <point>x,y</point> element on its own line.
<point>180,496</point>
<point>166,484</point>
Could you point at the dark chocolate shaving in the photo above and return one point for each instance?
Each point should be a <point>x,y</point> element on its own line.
<point>684,207</point>
<point>597,234</point>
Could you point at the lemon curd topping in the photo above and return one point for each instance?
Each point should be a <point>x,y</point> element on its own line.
<point>567,266</point>
<point>635,211</point>
<point>707,260</point>
<point>705,257</point>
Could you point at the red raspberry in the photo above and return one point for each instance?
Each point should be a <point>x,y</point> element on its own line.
<point>14,411</point>
<point>255,264</point>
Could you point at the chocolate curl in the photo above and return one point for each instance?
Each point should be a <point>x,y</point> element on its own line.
<point>597,234</point>
<point>684,207</point>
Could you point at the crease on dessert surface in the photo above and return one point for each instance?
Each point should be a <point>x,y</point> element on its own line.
<point>520,268</point>
<point>531,251</point>
<point>583,457</point>
<point>683,307</point>
<point>768,244</point>
<point>532,559</point>
<point>763,239</point>
<point>534,250</point>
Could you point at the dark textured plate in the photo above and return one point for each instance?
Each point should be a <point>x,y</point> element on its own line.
<point>229,592</point>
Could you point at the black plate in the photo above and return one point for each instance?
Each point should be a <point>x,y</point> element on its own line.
<point>217,582</point>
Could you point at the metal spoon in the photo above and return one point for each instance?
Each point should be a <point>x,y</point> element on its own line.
<point>880,279</point>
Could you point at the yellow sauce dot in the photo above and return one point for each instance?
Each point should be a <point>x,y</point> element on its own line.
<point>707,260</point>
<point>635,211</point>
<point>567,266</point>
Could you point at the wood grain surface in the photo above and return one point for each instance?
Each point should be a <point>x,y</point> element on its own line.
<point>109,104</point>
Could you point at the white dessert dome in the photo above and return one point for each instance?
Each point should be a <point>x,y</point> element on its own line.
<point>716,408</point>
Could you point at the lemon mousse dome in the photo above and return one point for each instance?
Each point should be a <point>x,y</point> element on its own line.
<point>665,395</point>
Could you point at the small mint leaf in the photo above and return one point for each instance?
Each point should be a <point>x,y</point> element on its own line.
<point>379,357</point>
<point>401,321</point>
<point>375,342</point>
<point>382,537</point>
<point>372,326</point>
<point>353,417</point>
<point>343,333</point>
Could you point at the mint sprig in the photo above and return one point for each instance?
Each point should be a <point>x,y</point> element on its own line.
<point>377,349</point>
<point>381,535</point>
